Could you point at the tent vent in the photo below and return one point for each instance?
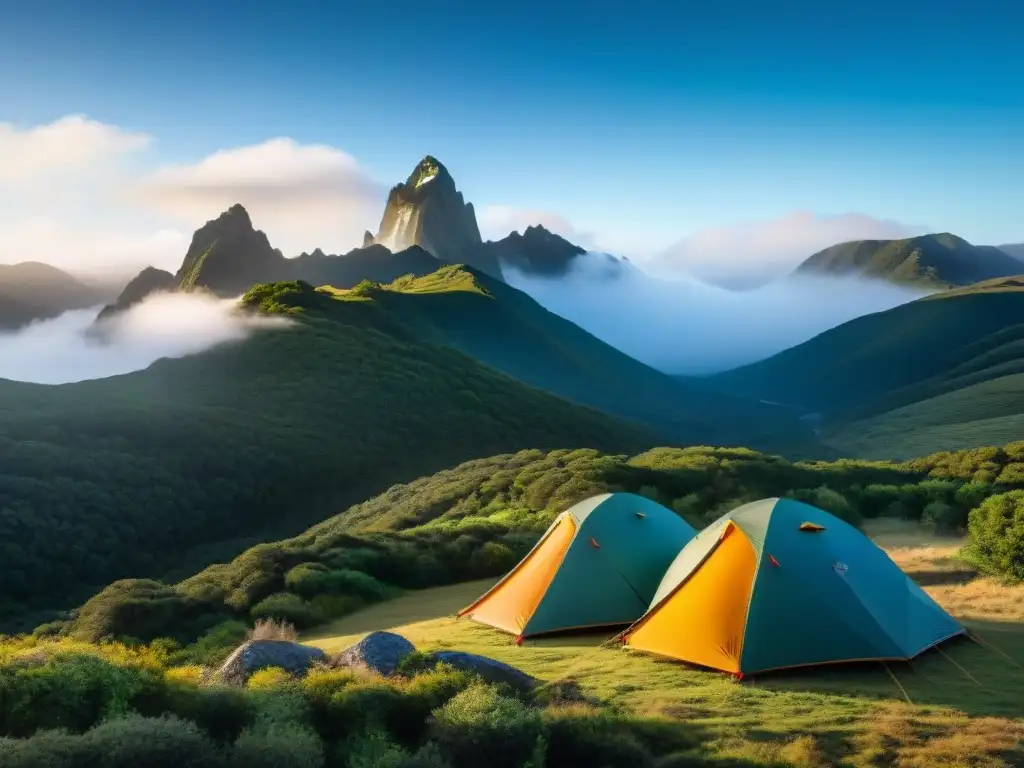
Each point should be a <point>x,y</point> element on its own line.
<point>593,543</point>
<point>772,559</point>
<point>641,515</point>
<point>811,527</point>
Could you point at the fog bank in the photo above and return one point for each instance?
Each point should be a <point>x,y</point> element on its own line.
<point>164,325</point>
<point>684,326</point>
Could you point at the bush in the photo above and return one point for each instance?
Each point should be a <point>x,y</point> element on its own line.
<point>492,559</point>
<point>312,579</point>
<point>281,745</point>
<point>480,727</point>
<point>164,742</point>
<point>831,501</point>
<point>217,643</point>
<point>73,691</point>
<point>190,674</point>
<point>268,677</point>
<point>579,738</point>
<point>943,518</point>
<point>221,711</point>
<point>284,606</point>
<point>997,536</point>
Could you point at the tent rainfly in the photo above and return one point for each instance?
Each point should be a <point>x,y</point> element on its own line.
<point>777,584</point>
<point>598,564</point>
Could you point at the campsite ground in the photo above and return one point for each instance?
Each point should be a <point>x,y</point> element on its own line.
<point>959,705</point>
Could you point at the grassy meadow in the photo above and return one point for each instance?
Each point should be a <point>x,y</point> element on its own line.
<point>959,705</point>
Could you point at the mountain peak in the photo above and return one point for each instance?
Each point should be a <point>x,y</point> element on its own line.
<point>427,171</point>
<point>227,255</point>
<point>429,211</point>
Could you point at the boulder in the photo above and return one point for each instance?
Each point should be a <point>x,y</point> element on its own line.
<point>379,652</point>
<point>491,670</point>
<point>254,655</point>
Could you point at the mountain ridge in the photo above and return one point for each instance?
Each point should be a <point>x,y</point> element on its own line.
<point>937,260</point>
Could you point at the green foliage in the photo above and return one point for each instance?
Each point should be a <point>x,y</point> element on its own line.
<point>997,536</point>
<point>285,606</point>
<point>481,727</point>
<point>478,519</point>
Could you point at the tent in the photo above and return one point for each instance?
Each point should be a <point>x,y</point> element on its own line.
<point>598,564</point>
<point>777,584</point>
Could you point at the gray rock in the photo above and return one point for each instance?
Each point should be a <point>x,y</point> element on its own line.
<point>491,670</point>
<point>254,655</point>
<point>379,652</point>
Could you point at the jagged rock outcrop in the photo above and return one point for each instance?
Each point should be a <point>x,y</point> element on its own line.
<point>255,655</point>
<point>429,211</point>
<point>379,652</point>
<point>228,256</point>
<point>149,281</point>
<point>536,251</point>
<point>367,239</point>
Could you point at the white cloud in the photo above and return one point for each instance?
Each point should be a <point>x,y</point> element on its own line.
<point>86,249</point>
<point>165,325</point>
<point>756,252</point>
<point>497,221</point>
<point>302,196</point>
<point>72,143</point>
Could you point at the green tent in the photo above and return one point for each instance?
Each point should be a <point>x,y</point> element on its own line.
<point>598,564</point>
<point>778,583</point>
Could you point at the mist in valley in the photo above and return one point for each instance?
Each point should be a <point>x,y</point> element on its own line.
<point>681,325</point>
<point>63,350</point>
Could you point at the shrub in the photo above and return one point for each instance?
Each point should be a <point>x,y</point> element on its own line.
<point>831,501</point>
<point>943,518</point>
<point>268,677</point>
<point>286,607</point>
<point>73,691</point>
<point>164,742</point>
<point>217,643</point>
<point>336,606</point>
<point>190,674</point>
<point>480,727</point>
<point>46,749</point>
<point>492,559</point>
<point>221,711</point>
<point>997,536</point>
<point>281,745</point>
<point>579,737</point>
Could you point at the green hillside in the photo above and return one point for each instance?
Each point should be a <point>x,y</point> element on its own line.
<point>938,260</point>
<point>934,374</point>
<point>195,458</point>
<point>508,330</point>
<point>477,519</point>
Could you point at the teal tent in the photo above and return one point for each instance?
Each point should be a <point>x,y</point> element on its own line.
<point>598,564</point>
<point>778,583</point>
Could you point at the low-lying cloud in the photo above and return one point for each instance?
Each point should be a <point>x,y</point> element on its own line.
<point>61,350</point>
<point>757,252</point>
<point>684,326</point>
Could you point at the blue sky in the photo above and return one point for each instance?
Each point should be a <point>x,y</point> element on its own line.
<point>639,124</point>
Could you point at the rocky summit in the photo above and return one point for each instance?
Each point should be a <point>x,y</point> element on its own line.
<point>228,255</point>
<point>429,211</point>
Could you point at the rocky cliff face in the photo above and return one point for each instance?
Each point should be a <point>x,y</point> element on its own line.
<point>228,256</point>
<point>429,211</point>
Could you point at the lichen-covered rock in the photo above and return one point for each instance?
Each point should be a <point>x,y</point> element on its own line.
<point>254,655</point>
<point>379,652</point>
<point>491,670</point>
